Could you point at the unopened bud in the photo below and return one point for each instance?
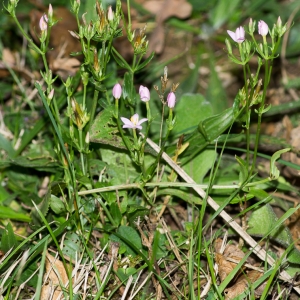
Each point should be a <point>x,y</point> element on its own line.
<point>74,34</point>
<point>171,100</point>
<point>87,138</point>
<point>110,14</point>
<point>279,22</point>
<point>50,11</point>
<point>51,94</point>
<point>43,23</point>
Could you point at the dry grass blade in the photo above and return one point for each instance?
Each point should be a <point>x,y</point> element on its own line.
<point>257,249</point>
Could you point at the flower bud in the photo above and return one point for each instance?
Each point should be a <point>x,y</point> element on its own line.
<point>263,28</point>
<point>50,11</point>
<point>110,14</point>
<point>43,23</point>
<point>144,93</point>
<point>171,100</point>
<point>51,94</point>
<point>117,91</point>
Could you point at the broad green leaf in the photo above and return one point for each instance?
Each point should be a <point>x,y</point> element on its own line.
<point>57,204</point>
<point>8,239</point>
<point>214,126</point>
<point>215,92</point>
<point>190,110</point>
<point>104,129</point>
<point>128,234</point>
<point>72,246</point>
<point>198,167</point>
<point>263,221</point>
<point>294,256</point>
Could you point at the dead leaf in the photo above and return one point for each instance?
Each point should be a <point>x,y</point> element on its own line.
<point>54,276</point>
<point>61,43</point>
<point>225,266</point>
<point>164,9</point>
<point>242,284</point>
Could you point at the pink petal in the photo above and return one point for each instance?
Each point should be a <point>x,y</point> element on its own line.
<point>232,35</point>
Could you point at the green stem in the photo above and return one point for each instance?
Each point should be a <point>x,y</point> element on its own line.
<point>260,113</point>
<point>32,44</point>
<point>81,151</point>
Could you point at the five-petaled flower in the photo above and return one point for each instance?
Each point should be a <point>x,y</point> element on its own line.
<point>238,36</point>
<point>263,28</point>
<point>171,100</point>
<point>144,93</point>
<point>134,122</point>
<point>117,91</point>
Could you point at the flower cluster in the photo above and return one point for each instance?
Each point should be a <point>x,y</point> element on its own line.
<point>134,122</point>
<point>239,35</point>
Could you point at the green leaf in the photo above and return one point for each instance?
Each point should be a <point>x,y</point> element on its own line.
<point>294,256</point>
<point>116,213</point>
<point>214,126</point>
<point>243,169</point>
<point>57,204</point>
<point>72,246</point>
<point>222,12</point>
<point>198,167</point>
<point>263,221</point>
<point>104,130</point>
<point>215,93</point>
<point>129,92</point>
<point>274,172</point>
<point>146,62</point>
<point>190,110</point>
<point>135,211</point>
<point>8,239</point>
<point>128,234</point>
<point>9,213</point>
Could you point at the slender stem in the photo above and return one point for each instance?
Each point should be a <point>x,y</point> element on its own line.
<point>81,151</point>
<point>260,113</point>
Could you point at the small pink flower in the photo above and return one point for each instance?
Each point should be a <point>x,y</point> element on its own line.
<point>43,22</point>
<point>263,28</point>
<point>238,36</point>
<point>144,93</point>
<point>117,91</point>
<point>171,100</point>
<point>134,122</point>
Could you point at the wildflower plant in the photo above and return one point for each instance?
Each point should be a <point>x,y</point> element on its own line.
<point>110,177</point>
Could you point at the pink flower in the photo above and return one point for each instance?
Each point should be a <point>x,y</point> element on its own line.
<point>263,28</point>
<point>144,93</point>
<point>117,91</point>
<point>171,100</point>
<point>43,22</point>
<point>134,122</point>
<point>238,36</point>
